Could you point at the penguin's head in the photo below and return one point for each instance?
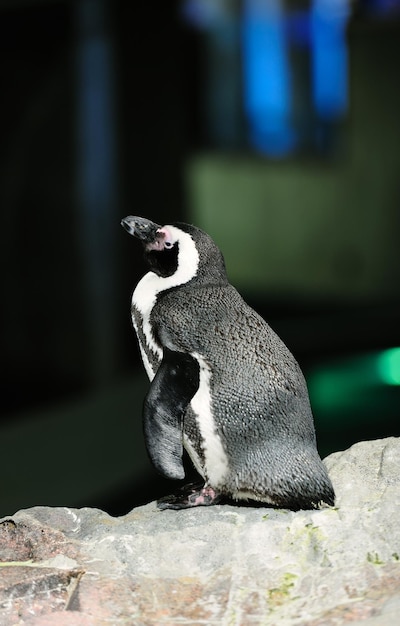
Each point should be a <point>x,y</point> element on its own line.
<point>179,250</point>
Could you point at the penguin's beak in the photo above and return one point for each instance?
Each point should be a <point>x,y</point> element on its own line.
<point>140,227</point>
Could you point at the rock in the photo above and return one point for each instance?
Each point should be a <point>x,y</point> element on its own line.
<point>222,565</point>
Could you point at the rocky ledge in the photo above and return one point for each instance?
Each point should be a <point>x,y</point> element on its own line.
<point>222,565</point>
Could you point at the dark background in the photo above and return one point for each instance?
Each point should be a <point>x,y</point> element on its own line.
<point>103,114</point>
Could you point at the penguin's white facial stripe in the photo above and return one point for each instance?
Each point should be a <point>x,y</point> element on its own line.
<point>145,295</point>
<point>150,285</point>
<point>188,258</point>
<point>216,460</point>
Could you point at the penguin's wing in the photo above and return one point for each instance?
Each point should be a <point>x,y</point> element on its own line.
<point>174,385</point>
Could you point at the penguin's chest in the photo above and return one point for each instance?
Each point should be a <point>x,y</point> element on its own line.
<point>143,301</point>
<point>201,437</point>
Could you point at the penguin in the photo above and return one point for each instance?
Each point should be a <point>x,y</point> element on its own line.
<point>224,387</point>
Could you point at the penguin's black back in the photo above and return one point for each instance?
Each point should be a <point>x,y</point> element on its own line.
<point>246,420</point>
<point>260,400</point>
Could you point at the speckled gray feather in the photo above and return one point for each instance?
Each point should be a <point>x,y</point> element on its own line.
<point>222,383</point>
<point>260,402</point>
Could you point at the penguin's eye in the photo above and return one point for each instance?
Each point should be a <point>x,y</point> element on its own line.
<point>168,245</point>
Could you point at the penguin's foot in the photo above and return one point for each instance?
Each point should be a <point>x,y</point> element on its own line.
<point>194,494</point>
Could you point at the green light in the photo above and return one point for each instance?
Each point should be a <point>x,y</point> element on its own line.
<point>354,382</point>
<point>389,366</point>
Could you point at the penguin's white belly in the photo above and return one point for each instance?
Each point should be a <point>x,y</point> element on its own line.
<point>216,460</point>
<point>216,465</point>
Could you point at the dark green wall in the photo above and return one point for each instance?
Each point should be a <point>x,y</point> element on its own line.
<point>317,228</point>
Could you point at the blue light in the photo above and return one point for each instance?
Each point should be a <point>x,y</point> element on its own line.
<point>267,88</point>
<point>298,27</point>
<point>329,57</point>
<point>382,8</point>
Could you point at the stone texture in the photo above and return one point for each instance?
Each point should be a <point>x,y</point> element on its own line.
<point>222,565</point>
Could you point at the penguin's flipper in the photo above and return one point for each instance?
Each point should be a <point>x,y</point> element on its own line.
<point>174,385</point>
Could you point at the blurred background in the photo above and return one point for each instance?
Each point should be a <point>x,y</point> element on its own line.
<point>272,124</point>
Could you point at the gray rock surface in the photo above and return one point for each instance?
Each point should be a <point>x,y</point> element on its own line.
<point>222,565</point>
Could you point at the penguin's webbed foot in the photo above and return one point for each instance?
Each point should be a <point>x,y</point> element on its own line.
<point>194,494</point>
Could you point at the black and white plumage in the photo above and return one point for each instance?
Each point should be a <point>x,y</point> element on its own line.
<point>224,386</point>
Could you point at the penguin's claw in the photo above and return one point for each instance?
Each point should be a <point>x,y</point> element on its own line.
<point>189,496</point>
